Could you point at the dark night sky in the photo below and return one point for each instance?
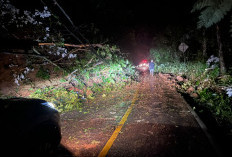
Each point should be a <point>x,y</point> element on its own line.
<point>121,12</point>
<point>117,17</point>
<point>129,13</point>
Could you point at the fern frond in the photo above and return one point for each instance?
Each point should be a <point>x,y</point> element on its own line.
<point>226,5</point>
<point>212,11</point>
<point>200,4</point>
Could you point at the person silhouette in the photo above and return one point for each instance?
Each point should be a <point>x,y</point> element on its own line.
<point>151,67</point>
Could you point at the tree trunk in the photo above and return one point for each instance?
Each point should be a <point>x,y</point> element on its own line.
<point>220,53</point>
<point>204,45</point>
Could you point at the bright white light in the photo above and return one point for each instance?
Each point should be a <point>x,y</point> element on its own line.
<point>49,104</point>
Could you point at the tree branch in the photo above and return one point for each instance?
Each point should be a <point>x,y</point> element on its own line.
<point>45,58</point>
<point>71,45</point>
<point>77,46</point>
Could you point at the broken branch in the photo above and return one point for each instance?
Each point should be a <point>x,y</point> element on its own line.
<point>45,58</point>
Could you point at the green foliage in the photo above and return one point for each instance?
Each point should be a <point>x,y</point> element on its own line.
<point>43,73</point>
<point>191,70</point>
<point>89,74</point>
<point>212,11</point>
<point>214,73</point>
<point>56,69</point>
<point>63,80</point>
<point>63,99</point>
<point>186,85</point>
<point>164,55</point>
<point>200,76</point>
<point>225,80</point>
<point>218,103</point>
<point>115,71</point>
<point>169,62</point>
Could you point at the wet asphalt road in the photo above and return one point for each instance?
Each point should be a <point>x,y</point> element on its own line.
<point>161,125</point>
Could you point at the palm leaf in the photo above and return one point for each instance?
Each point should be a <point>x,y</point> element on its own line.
<point>200,4</point>
<point>212,11</point>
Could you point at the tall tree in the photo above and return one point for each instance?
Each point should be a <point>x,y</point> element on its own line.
<point>204,44</point>
<point>212,12</point>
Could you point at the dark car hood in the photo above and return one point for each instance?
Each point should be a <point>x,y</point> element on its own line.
<point>20,114</point>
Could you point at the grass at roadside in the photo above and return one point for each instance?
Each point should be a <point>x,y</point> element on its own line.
<point>213,96</point>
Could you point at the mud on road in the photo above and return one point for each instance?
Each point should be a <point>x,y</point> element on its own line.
<point>160,124</point>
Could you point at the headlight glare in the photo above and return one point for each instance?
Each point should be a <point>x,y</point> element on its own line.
<point>49,104</point>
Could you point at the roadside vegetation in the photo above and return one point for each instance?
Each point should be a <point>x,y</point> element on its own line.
<point>203,71</point>
<point>209,93</point>
<point>84,67</point>
<point>202,80</point>
<point>87,78</point>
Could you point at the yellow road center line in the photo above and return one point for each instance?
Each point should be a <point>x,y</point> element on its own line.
<point>118,129</point>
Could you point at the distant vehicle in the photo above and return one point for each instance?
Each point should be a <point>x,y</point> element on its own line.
<point>143,65</point>
<point>29,127</point>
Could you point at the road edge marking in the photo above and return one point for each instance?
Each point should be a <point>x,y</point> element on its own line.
<point>205,130</point>
<point>113,137</point>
